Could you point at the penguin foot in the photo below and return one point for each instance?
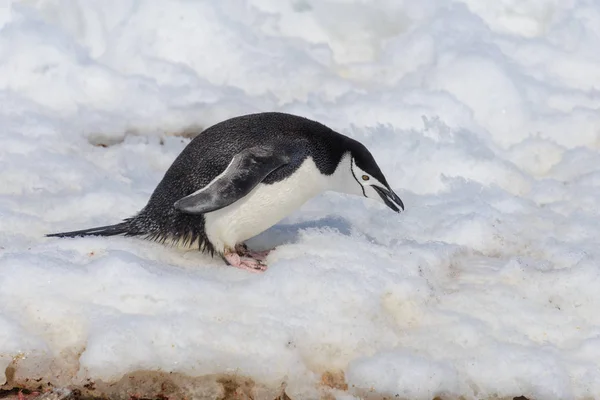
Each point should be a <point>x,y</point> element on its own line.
<point>244,251</point>
<point>259,255</point>
<point>246,263</point>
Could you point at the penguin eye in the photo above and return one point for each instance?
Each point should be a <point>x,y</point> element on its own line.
<point>365,177</point>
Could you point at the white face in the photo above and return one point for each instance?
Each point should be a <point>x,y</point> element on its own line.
<point>366,182</point>
<point>350,178</point>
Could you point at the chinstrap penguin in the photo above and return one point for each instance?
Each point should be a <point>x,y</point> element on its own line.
<point>242,176</point>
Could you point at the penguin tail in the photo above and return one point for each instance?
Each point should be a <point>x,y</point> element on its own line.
<point>108,230</point>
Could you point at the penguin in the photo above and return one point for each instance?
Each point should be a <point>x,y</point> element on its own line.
<point>241,176</point>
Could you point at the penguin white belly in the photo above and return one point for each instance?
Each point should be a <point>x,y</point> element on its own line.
<point>263,207</point>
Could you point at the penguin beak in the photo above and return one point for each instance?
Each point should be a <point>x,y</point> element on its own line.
<point>390,198</point>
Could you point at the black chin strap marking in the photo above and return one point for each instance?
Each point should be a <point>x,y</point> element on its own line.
<point>355,178</point>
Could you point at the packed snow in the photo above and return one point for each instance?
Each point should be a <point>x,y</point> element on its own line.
<point>484,116</point>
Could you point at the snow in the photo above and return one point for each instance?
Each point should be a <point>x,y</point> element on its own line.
<point>485,118</point>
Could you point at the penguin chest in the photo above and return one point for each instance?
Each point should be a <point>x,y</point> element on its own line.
<point>263,207</point>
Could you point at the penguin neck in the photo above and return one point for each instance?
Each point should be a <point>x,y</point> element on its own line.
<point>342,180</point>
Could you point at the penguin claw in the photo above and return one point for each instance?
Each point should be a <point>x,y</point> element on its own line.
<point>245,263</point>
<point>257,255</point>
<point>244,251</point>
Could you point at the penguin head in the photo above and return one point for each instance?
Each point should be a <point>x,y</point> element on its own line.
<point>366,178</point>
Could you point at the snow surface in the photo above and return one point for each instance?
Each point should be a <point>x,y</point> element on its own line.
<point>485,117</point>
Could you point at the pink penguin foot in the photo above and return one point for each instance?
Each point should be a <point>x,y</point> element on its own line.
<point>244,251</point>
<point>258,255</point>
<point>246,263</point>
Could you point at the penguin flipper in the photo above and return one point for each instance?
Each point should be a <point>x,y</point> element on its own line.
<point>246,170</point>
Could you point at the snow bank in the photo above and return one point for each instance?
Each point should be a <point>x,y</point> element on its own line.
<point>484,117</point>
